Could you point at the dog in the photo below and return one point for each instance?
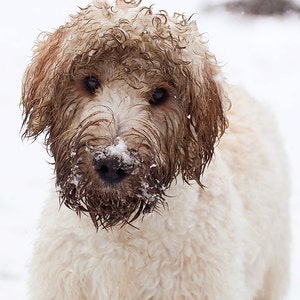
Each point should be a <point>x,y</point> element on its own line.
<point>170,183</point>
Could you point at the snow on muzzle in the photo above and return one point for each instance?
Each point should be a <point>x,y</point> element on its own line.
<point>114,163</point>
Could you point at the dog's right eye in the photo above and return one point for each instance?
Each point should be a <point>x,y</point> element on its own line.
<point>159,96</point>
<point>91,83</point>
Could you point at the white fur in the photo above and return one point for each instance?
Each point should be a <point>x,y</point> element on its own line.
<point>228,241</point>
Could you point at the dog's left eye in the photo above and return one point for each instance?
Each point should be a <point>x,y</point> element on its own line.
<point>91,83</point>
<point>159,96</point>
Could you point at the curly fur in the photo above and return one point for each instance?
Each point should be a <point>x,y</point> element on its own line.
<point>208,239</point>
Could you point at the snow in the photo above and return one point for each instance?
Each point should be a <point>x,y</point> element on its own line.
<point>262,54</point>
<point>120,150</point>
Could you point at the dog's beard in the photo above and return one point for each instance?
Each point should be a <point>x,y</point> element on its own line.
<point>109,208</point>
<point>81,190</point>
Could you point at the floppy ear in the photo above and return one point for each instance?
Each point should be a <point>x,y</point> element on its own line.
<point>39,84</point>
<point>51,65</point>
<point>206,118</point>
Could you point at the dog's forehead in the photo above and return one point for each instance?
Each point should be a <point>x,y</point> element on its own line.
<point>104,26</point>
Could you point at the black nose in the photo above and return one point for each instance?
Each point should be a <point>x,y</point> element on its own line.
<point>112,169</point>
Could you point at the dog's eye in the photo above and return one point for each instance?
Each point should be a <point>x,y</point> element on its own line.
<point>159,96</point>
<point>91,83</point>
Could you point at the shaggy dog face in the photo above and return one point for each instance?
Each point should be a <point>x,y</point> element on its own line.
<point>128,99</point>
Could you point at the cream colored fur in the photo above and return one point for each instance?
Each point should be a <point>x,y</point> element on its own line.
<point>227,241</point>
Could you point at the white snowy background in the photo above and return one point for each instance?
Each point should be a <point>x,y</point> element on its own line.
<point>260,53</point>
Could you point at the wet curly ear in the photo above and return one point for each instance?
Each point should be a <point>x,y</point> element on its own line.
<point>206,117</point>
<point>39,85</point>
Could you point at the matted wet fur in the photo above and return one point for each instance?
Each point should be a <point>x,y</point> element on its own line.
<point>138,118</point>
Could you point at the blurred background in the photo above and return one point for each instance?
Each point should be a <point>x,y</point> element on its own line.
<point>256,42</point>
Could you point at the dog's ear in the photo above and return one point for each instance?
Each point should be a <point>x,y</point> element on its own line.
<point>39,84</point>
<point>206,120</point>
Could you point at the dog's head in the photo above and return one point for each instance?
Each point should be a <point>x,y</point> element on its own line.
<point>128,99</point>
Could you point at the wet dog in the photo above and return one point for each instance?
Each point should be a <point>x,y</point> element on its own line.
<point>156,201</point>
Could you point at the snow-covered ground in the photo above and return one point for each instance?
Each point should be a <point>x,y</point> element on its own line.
<point>260,53</point>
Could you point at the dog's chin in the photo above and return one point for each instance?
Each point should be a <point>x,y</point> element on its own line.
<point>111,205</point>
